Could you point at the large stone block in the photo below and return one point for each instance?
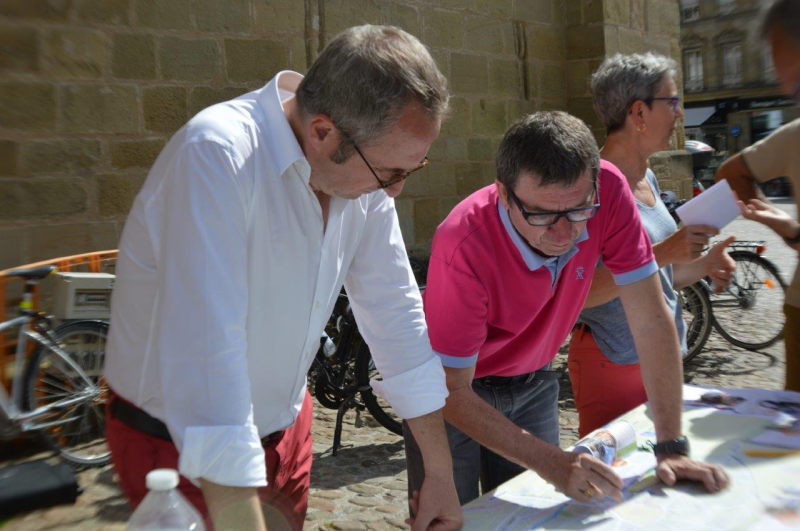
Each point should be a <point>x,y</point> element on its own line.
<point>503,9</point>
<point>617,12</point>
<point>405,213</point>
<point>135,153</point>
<point>52,241</point>
<point>133,56</point>
<point>546,42</point>
<point>8,157</point>
<point>434,181</point>
<point>341,14</point>
<point>76,53</point>
<point>174,14</point>
<point>165,108</point>
<point>100,108</point>
<point>406,17</point>
<point>459,121</point>
<point>60,155</point>
<point>551,82</point>
<point>469,73</point>
<point>489,117</point>
<point>480,150</point>
<point>34,198</point>
<point>13,248</point>
<point>249,60</point>
<point>505,79</point>
<point>19,49</point>
<point>485,34</point>
<point>231,16</point>
<point>28,106</point>
<point>585,42</point>
<point>471,176</point>
<point>278,17</point>
<point>443,28</point>
<point>115,193</point>
<point>631,41</point>
<point>104,11</point>
<point>426,218</point>
<point>583,109</point>
<point>578,77</point>
<point>202,97</point>
<point>593,11</point>
<point>540,11</point>
<point>51,10</point>
<point>189,60</point>
<point>455,148</point>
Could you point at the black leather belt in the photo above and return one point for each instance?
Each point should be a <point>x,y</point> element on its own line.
<point>142,421</point>
<point>505,381</point>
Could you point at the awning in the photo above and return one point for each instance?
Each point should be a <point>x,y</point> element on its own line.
<point>695,116</point>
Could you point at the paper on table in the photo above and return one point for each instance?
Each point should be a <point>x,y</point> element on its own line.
<point>716,207</point>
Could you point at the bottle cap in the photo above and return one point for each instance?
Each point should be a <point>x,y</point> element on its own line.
<point>162,479</point>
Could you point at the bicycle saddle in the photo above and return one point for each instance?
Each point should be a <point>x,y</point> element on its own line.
<point>32,273</point>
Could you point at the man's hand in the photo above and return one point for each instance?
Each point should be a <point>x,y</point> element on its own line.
<point>719,266</point>
<point>684,245</point>
<point>583,477</point>
<point>769,215</point>
<point>436,506</point>
<point>674,467</point>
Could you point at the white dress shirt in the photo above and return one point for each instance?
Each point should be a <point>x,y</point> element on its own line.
<point>226,278</point>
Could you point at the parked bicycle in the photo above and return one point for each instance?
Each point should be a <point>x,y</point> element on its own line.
<point>58,391</point>
<point>343,367</point>
<point>748,313</point>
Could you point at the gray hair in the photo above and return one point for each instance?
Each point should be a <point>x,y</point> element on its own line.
<point>782,14</point>
<point>623,79</point>
<point>554,145</point>
<point>365,77</point>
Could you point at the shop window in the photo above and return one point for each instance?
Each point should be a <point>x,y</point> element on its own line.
<point>769,66</point>
<point>731,64</point>
<point>690,10</point>
<point>693,70</point>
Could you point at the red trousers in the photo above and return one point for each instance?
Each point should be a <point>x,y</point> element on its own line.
<point>603,390</point>
<point>288,458</point>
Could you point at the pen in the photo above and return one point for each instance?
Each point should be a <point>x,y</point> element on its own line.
<point>771,453</point>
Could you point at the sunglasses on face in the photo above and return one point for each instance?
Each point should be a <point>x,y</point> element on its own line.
<point>544,219</point>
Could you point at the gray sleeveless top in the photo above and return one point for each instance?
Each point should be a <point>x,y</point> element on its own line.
<point>607,321</point>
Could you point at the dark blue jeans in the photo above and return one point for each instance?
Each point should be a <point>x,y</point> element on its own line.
<point>531,405</point>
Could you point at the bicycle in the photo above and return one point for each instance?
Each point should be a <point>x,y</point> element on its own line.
<point>757,288</point>
<point>343,367</point>
<point>58,391</point>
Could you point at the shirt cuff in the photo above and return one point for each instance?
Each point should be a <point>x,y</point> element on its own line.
<point>637,274</point>
<point>415,392</point>
<point>458,362</point>
<point>227,455</point>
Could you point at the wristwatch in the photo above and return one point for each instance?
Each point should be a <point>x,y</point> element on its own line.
<point>794,240</point>
<point>679,446</point>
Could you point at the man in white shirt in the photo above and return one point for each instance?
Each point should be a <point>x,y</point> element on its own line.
<point>251,219</point>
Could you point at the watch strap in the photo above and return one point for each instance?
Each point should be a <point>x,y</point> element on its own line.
<point>679,446</point>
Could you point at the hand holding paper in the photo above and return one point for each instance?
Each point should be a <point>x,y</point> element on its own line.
<point>715,207</point>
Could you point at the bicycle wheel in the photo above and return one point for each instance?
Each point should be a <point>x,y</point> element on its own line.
<point>76,431</point>
<point>696,312</point>
<point>749,313</point>
<point>377,406</point>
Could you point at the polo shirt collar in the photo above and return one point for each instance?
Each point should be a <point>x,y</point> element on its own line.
<point>533,259</point>
<point>283,145</point>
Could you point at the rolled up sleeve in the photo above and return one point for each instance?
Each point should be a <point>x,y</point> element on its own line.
<point>388,308</point>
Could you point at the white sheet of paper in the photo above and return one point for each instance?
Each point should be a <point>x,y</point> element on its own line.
<point>716,207</point>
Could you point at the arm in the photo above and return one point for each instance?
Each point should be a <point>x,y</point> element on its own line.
<point>773,217</point>
<point>657,343</point>
<point>735,171</point>
<point>568,471</point>
<point>233,507</point>
<point>717,264</point>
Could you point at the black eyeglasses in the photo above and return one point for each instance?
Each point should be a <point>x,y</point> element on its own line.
<point>544,219</point>
<point>674,102</point>
<point>396,178</point>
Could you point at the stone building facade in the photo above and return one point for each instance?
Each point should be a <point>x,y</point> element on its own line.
<point>90,90</point>
<point>732,95</point>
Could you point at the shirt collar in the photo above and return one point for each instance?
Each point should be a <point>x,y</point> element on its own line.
<point>282,143</point>
<point>533,259</point>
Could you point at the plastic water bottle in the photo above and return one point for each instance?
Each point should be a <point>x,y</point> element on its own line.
<point>164,508</point>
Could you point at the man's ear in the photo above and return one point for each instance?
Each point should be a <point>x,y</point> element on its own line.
<point>502,194</point>
<point>323,135</point>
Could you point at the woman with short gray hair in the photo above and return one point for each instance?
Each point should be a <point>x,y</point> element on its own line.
<point>637,99</point>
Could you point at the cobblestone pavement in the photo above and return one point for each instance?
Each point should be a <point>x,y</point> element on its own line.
<point>363,486</point>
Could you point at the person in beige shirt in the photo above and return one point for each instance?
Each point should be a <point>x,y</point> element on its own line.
<point>776,156</point>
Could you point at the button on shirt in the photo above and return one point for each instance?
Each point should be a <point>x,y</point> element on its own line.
<point>226,277</point>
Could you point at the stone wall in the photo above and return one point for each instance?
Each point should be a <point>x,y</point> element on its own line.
<point>90,90</point>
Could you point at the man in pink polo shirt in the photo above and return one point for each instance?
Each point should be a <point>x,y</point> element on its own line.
<point>510,269</point>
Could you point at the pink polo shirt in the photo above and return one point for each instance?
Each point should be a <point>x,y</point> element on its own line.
<point>492,302</point>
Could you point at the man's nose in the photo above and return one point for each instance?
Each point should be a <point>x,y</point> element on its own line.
<point>561,229</point>
<point>395,189</point>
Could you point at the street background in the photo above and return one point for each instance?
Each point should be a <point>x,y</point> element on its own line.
<point>364,485</point>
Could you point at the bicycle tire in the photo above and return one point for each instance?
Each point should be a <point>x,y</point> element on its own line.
<point>757,290</point>
<point>696,312</point>
<point>378,408</point>
<point>80,441</point>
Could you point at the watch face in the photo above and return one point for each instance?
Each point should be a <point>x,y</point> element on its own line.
<point>679,446</point>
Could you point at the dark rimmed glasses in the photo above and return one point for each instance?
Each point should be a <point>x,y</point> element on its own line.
<point>398,177</point>
<point>545,219</point>
<point>674,102</point>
